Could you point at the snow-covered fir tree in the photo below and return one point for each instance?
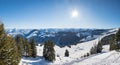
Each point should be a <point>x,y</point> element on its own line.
<point>117,39</point>
<point>115,43</point>
<point>99,47</point>
<point>48,51</point>
<point>20,44</point>
<point>66,53</point>
<point>33,48</point>
<point>8,50</point>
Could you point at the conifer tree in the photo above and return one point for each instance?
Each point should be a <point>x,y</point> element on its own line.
<point>29,52</point>
<point>112,44</point>
<point>20,44</point>
<point>93,50</point>
<point>117,39</point>
<point>96,48</point>
<point>99,47</point>
<point>66,53</point>
<point>115,42</point>
<point>2,32</point>
<point>33,48</point>
<point>8,50</point>
<point>48,51</point>
<point>87,54</point>
<point>27,48</point>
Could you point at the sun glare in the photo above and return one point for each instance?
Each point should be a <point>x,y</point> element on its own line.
<point>74,13</point>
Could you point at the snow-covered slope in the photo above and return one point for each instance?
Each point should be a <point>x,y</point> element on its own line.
<point>108,58</point>
<point>76,52</point>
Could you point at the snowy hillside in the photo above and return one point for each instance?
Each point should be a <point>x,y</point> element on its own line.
<point>61,37</point>
<point>76,55</point>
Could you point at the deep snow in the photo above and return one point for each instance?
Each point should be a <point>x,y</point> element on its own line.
<point>76,52</point>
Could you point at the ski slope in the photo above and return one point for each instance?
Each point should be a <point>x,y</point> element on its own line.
<point>76,52</point>
<point>109,58</point>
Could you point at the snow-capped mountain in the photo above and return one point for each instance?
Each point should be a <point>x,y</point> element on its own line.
<point>76,53</point>
<point>60,37</point>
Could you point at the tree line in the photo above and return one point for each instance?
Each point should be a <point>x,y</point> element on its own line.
<point>13,49</point>
<point>114,43</point>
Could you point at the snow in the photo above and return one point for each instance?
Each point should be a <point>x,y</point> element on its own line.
<point>109,58</point>
<point>33,34</point>
<point>78,34</point>
<point>76,52</point>
<point>106,48</point>
<point>32,61</point>
<point>15,31</point>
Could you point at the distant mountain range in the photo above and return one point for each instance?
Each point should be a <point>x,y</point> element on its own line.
<point>60,37</point>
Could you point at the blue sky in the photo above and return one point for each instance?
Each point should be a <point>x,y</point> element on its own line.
<point>57,13</point>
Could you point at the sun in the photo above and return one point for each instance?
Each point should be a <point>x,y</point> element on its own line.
<point>74,14</point>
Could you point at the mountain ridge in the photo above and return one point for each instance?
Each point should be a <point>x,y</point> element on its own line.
<point>60,37</point>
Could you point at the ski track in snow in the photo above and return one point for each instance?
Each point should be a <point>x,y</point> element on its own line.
<point>79,60</point>
<point>108,60</point>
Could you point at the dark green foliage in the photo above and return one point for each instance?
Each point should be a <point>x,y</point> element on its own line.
<point>48,51</point>
<point>85,56</point>
<point>107,39</point>
<point>2,29</point>
<point>88,54</point>
<point>20,44</point>
<point>96,48</point>
<point>8,50</point>
<point>27,48</point>
<point>66,53</point>
<point>33,47</point>
<point>115,42</point>
<point>117,36</point>
<point>112,44</point>
<point>99,47</point>
<point>93,50</point>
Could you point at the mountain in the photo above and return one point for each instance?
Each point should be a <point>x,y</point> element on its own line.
<point>77,52</point>
<point>60,37</point>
